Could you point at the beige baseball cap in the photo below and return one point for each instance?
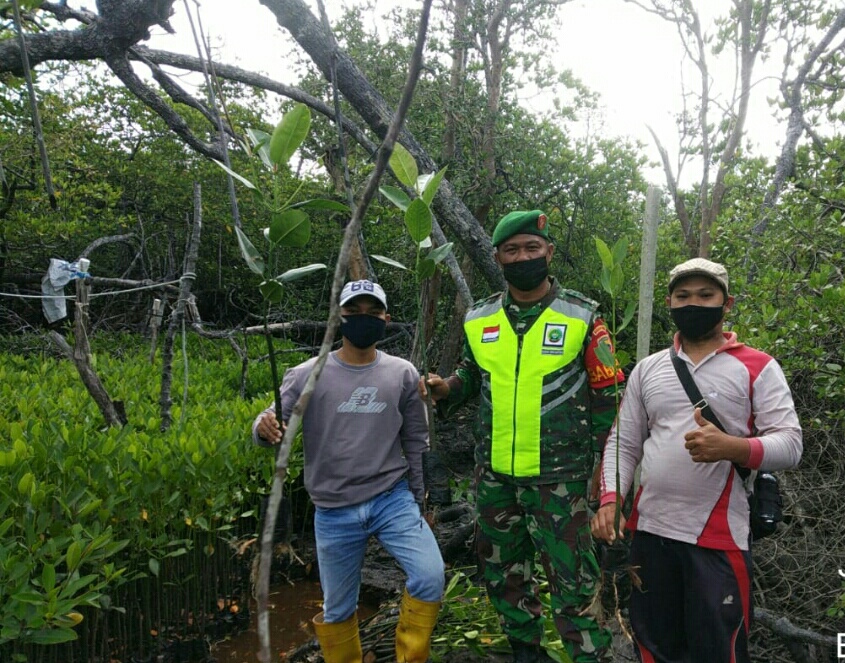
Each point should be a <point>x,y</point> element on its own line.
<point>699,267</point>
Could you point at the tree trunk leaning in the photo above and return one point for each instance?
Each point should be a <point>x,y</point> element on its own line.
<point>176,317</point>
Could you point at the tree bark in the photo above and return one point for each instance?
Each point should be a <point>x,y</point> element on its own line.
<point>115,31</point>
<point>178,314</point>
<point>305,28</point>
<point>91,381</point>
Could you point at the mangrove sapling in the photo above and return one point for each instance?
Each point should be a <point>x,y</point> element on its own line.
<point>419,223</point>
<point>612,280</point>
<point>290,226</point>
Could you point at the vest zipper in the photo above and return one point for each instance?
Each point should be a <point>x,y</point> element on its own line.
<point>515,392</point>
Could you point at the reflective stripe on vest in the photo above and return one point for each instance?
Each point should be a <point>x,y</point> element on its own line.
<point>516,366</point>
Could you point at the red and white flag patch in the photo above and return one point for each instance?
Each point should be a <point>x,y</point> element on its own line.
<point>490,334</point>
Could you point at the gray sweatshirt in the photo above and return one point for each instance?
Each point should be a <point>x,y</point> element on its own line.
<point>364,429</point>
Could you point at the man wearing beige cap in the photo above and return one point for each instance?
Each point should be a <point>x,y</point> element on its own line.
<point>690,519</point>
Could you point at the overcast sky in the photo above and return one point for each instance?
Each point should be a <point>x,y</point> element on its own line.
<point>631,58</point>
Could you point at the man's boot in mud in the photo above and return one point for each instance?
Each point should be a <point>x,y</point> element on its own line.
<point>413,632</point>
<point>339,642</point>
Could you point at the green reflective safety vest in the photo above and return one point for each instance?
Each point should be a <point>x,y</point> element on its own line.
<point>533,389</point>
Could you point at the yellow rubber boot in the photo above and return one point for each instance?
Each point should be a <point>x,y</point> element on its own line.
<point>339,642</point>
<point>413,632</point>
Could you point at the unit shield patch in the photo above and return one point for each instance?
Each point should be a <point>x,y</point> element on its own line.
<point>553,338</point>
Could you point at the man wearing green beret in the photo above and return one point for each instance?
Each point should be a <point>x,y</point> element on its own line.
<point>546,405</point>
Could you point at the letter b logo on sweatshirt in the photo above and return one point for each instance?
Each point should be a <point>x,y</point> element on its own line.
<point>363,401</point>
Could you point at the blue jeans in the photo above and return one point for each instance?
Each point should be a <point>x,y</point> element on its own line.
<point>394,518</point>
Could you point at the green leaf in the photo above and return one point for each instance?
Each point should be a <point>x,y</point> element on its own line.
<point>271,290</point>
<point>250,253</point>
<point>404,166</point>
<point>5,526</point>
<point>422,180</point>
<point>290,228</point>
<point>33,598</point>
<point>604,253</point>
<point>620,250</point>
<point>89,508</point>
<point>261,142</point>
<point>53,636</point>
<point>432,185</point>
<point>26,484</point>
<point>154,566</point>
<point>7,458</point>
<point>388,261</point>
<point>396,196</point>
<point>73,555</point>
<point>440,253</point>
<point>48,577</point>
<point>289,134</point>
<point>605,355</point>
<point>300,272</point>
<point>418,220</point>
<point>231,172</point>
<point>425,268</point>
<point>630,309</point>
<point>605,280</point>
<point>617,280</point>
<point>70,590</point>
<point>321,203</point>
<point>622,358</point>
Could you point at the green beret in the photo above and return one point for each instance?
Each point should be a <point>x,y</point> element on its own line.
<point>526,223</point>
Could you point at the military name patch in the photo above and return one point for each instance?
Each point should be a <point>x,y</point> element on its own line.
<point>490,334</point>
<point>553,338</point>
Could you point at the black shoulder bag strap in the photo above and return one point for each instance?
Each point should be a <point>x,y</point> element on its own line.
<point>698,400</point>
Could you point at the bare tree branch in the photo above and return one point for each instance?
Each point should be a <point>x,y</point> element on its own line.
<point>792,92</point>
<point>102,241</point>
<point>677,198</point>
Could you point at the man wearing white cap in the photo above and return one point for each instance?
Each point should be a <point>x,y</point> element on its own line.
<point>690,517</point>
<point>364,434</point>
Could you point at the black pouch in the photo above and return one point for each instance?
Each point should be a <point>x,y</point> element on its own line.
<point>765,505</point>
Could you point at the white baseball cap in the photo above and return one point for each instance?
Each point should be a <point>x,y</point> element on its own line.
<point>360,288</point>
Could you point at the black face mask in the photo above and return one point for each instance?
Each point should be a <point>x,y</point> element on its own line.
<point>362,330</point>
<point>695,322</point>
<point>526,275</point>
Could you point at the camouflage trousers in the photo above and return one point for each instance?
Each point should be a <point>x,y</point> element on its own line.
<point>515,524</point>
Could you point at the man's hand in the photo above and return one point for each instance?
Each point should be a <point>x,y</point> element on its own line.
<point>707,444</point>
<point>602,524</point>
<point>438,387</point>
<point>268,428</point>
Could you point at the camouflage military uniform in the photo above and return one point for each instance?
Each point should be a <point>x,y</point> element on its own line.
<point>524,509</point>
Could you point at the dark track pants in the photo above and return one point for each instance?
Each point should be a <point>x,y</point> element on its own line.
<point>694,605</point>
